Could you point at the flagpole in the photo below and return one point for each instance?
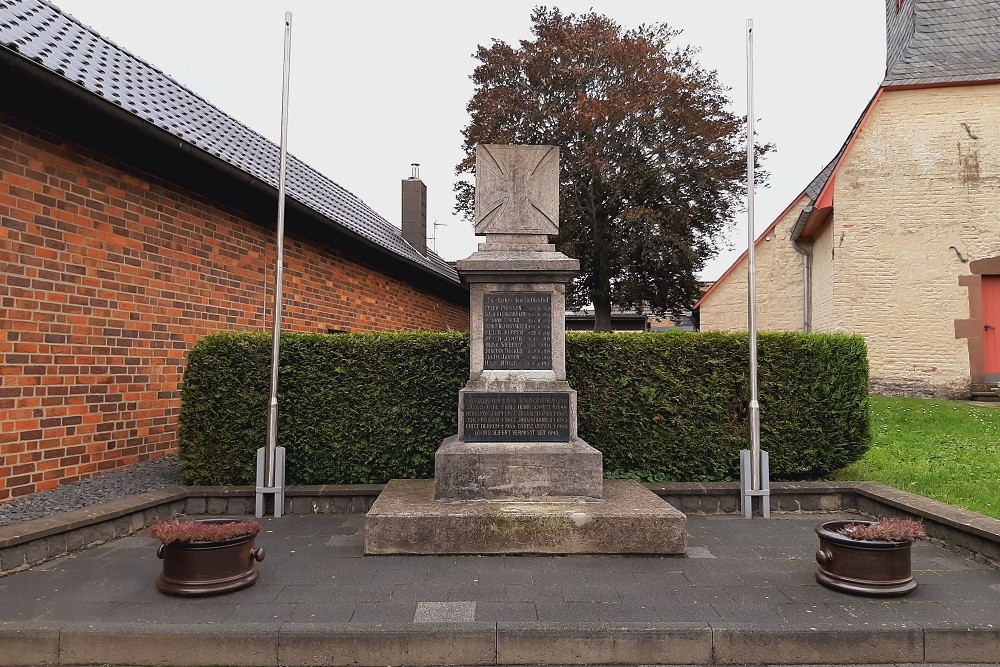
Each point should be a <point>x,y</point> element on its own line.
<point>752,275</point>
<point>271,460</point>
<point>756,483</point>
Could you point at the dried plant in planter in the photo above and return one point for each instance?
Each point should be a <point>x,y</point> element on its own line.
<point>886,530</point>
<point>207,556</point>
<point>868,557</point>
<point>176,530</point>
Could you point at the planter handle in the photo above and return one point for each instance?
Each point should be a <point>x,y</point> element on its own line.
<point>159,551</point>
<point>258,554</point>
<point>824,557</point>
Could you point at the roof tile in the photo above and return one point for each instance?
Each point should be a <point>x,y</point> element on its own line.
<point>942,41</point>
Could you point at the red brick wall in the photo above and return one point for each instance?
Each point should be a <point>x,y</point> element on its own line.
<point>107,278</point>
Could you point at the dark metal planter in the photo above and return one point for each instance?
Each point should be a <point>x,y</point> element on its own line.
<point>862,567</point>
<point>194,569</point>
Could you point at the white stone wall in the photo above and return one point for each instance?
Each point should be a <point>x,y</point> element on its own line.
<point>922,176</point>
<point>825,263</point>
<point>779,285</point>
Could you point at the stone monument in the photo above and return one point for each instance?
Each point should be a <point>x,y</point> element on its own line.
<point>517,478</point>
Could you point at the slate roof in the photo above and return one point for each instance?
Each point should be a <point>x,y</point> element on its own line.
<point>61,44</point>
<point>932,42</point>
<point>942,41</point>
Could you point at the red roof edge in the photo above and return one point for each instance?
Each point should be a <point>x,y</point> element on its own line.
<point>823,206</point>
<point>760,238</point>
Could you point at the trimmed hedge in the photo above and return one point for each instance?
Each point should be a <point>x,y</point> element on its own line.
<point>352,408</point>
<point>674,407</point>
<point>366,408</point>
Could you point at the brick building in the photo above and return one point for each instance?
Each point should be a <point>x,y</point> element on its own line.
<point>898,237</point>
<point>136,218</point>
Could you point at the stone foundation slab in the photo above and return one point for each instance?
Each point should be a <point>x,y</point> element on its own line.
<point>629,519</point>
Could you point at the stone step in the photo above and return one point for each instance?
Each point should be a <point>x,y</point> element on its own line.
<point>486,643</point>
<point>630,519</point>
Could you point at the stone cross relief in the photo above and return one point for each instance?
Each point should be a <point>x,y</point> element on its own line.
<point>517,189</point>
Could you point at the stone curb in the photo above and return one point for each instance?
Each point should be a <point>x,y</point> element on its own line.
<point>750,644</point>
<point>312,645</point>
<point>604,644</point>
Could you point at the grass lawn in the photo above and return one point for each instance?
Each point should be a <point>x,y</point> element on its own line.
<point>944,450</point>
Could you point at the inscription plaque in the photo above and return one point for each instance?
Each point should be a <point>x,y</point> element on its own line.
<point>516,417</point>
<point>517,331</point>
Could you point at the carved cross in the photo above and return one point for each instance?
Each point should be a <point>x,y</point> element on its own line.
<point>517,189</point>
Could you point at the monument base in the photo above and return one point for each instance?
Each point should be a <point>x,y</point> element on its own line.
<point>506,470</point>
<point>630,519</point>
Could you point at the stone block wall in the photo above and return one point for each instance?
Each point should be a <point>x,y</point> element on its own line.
<point>915,200</point>
<point>779,284</point>
<point>825,264</point>
<point>107,278</point>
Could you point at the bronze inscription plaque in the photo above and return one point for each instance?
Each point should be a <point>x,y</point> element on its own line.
<point>533,416</point>
<point>517,331</point>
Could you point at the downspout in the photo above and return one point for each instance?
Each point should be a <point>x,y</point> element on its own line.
<point>806,251</point>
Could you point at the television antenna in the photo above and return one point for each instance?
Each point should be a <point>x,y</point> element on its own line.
<point>434,234</point>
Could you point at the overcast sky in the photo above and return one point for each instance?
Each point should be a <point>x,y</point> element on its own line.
<point>378,85</point>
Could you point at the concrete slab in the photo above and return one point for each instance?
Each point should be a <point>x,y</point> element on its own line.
<point>630,519</point>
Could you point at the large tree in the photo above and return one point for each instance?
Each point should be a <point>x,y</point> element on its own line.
<point>653,162</point>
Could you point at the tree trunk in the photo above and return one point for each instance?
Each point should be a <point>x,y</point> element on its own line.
<point>602,316</point>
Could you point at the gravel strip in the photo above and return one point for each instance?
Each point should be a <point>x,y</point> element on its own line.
<point>101,488</point>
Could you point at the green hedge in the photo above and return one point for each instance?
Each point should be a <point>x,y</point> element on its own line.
<point>365,408</point>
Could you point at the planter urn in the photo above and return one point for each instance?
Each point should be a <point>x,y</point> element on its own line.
<point>879,568</point>
<point>203,568</point>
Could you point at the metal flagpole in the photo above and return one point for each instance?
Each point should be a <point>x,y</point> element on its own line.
<point>756,483</point>
<point>271,460</point>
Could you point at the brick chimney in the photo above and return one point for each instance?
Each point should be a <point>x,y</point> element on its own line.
<point>415,211</point>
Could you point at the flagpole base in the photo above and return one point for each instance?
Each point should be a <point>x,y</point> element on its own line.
<point>278,490</point>
<point>747,492</point>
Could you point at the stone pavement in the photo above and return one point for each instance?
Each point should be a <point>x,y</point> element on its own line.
<point>744,593</point>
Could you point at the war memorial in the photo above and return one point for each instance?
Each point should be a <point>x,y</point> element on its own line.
<point>517,478</point>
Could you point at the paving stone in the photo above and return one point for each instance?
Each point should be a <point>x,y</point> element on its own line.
<point>307,593</point>
<point>445,612</point>
<point>473,591</point>
<point>699,552</point>
<point>622,612</point>
<point>384,612</point>
<point>759,595</point>
<point>271,612</point>
<point>756,613</point>
<point>605,593</point>
<point>567,612</point>
<point>508,612</point>
<point>325,612</point>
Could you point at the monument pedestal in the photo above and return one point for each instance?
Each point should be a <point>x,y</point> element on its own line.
<point>506,470</point>
<point>629,519</point>
<point>517,478</point>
